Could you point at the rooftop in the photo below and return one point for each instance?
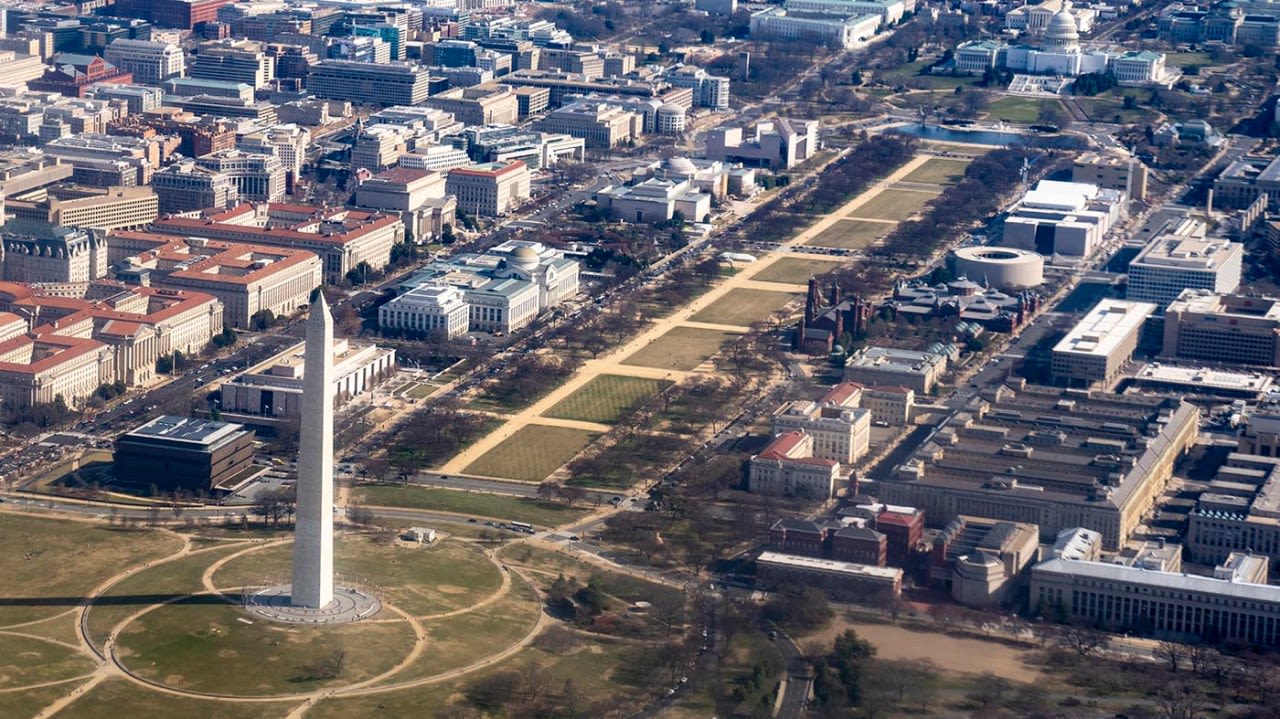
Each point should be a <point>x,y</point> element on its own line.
<point>186,430</point>
<point>1106,571</point>
<point>1188,253</point>
<point>833,566</point>
<point>1105,327</point>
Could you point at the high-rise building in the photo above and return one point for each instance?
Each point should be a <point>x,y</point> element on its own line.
<point>150,62</point>
<point>186,186</point>
<point>1169,265</point>
<point>368,83</point>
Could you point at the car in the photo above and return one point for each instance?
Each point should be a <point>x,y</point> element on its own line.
<point>574,538</point>
<point>473,520</point>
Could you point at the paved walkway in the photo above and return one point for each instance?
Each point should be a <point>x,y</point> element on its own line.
<point>612,363</point>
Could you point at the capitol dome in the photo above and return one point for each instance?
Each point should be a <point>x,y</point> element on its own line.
<point>1061,34</point>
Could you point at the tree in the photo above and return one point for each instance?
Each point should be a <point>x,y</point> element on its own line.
<point>1180,700</point>
<point>262,319</point>
<point>1053,113</point>
<point>800,607</point>
<point>1082,639</point>
<point>1172,652</point>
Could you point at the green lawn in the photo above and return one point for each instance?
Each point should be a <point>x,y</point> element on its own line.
<point>1104,109</point>
<point>743,307</point>
<point>46,559</point>
<point>497,506</point>
<point>794,270</point>
<point>117,698</point>
<point>938,171</point>
<point>1024,110</point>
<point>681,348</point>
<point>420,580</point>
<point>607,398</point>
<point>205,647</point>
<point>532,453</point>
<point>25,661</point>
<point>851,234</point>
<point>894,204</point>
<point>1182,59</point>
<point>421,391</point>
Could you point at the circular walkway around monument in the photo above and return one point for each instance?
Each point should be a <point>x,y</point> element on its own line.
<point>348,605</point>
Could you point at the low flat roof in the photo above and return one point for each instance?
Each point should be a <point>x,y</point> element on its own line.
<point>1166,580</point>
<point>1106,325</point>
<point>185,430</point>
<point>830,565</point>
<point>1206,378</point>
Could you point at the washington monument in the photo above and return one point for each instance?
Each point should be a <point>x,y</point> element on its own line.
<point>313,536</point>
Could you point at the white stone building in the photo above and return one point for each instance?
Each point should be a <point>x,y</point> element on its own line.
<point>431,308</point>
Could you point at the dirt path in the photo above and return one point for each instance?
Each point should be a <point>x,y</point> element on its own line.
<point>961,655</point>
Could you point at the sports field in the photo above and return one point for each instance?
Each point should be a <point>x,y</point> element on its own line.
<point>894,204</point>
<point>851,234</point>
<point>532,453</point>
<point>794,270</point>
<point>938,171</point>
<point>743,307</point>
<point>606,398</point>
<point>681,348</point>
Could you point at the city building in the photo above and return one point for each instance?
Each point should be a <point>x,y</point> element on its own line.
<point>150,63</point>
<point>655,200</point>
<point>841,430</point>
<point>257,177</point>
<point>1168,605</point>
<point>890,406</point>
<point>1239,511</point>
<point>979,559</point>
<point>1101,344</point>
<point>1060,459</point>
<point>288,142</point>
<point>181,14</point>
<point>106,160</point>
<point>114,208</point>
<point>788,467</point>
<point>1063,218</point>
<point>1077,543</point>
<point>247,279</point>
<point>1003,268</point>
<point>187,186</point>
<point>75,75</point>
<point>537,150</point>
<point>368,83</point>
<point>853,542</point>
<point>272,391</point>
<point>417,194</point>
<point>137,99</point>
<point>849,31</point>
<point>486,104</point>
<point>1204,384</point>
<point>193,456</point>
<point>1112,170</point>
<point>601,125</point>
<point>36,252</point>
<point>489,189</point>
<point>430,309</point>
<point>17,69</point>
<point>843,581</point>
<point>710,91</point>
<point>1170,264</point>
<point>778,144</point>
<point>1246,179</point>
<point>342,238</point>
<point>918,370</point>
<point>1223,329</point>
<point>240,61</point>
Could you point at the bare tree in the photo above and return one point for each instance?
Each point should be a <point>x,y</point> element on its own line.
<point>1172,652</point>
<point>1180,700</point>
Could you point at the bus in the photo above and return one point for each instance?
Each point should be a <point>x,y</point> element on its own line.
<point>521,527</point>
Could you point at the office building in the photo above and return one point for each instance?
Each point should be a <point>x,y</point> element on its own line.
<point>788,467</point>
<point>1057,459</point>
<point>17,69</point>
<point>137,99</point>
<point>979,560</point>
<point>1101,344</point>
<point>342,238</point>
<point>187,186</point>
<point>1245,180</point>
<point>892,367</point>
<point>246,279</point>
<point>151,63</point>
<point>1168,265</point>
<point>288,142</point>
<point>179,454</point>
<point>1224,329</point>
<point>1239,511</point>
<point>181,14</point>
<point>1112,170</point>
<point>777,144</point>
<point>840,429</point>
<point>1167,605</point>
<point>257,177</point>
<point>369,84</point>
<point>241,61</point>
<point>418,195</point>
<point>490,189</point>
<point>271,391</point>
<point>486,104</point>
<point>429,310</point>
<point>849,31</point>
<point>601,125</point>
<point>114,208</point>
<point>843,581</point>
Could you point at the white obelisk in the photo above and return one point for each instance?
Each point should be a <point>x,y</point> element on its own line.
<point>313,533</point>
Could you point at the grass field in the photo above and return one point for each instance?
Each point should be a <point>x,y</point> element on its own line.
<point>1018,109</point>
<point>607,398</point>
<point>444,577</point>
<point>743,307</point>
<point>681,348</point>
<point>938,171</point>
<point>497,506</point>
<point>894,204</point>
<point>205,647</point>
<point>117,698</point>
<point>532,453</point>
<point>851,234</point>
<point>420,391</point>
<point>55,563</point>
<point>25,661</point>
<point>1182,59</point>
<point>794,270</point>
<point>938,146</point>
